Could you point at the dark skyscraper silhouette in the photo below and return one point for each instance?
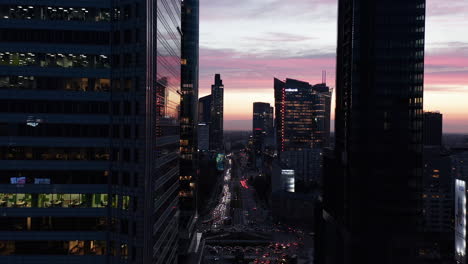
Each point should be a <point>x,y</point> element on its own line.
<point>217,115</point>
<point>322,109</point>
<point>432,129</point>
<point>188,124</point>
<point>373,182</point>
<point>262,128</point>
<point>262,120</point>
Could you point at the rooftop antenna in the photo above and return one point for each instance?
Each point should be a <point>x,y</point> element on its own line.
<point>324,77</point>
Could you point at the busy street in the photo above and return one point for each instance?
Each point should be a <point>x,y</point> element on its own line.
<point>240,229</point>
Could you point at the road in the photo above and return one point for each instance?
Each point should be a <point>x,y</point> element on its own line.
<point>239,212</point>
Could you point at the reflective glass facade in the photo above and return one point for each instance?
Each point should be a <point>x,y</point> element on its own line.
<point>189,122</point>
<point>302,115</point>
<point>89,131</point>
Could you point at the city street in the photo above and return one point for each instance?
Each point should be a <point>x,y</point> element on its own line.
<point>240,226</point>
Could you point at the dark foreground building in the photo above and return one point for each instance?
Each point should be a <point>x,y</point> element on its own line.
<point>189,125</point>
<point>89,124</point>
<point>373,182</point>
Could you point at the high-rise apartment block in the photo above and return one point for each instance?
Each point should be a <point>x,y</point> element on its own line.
<point>89,125</point>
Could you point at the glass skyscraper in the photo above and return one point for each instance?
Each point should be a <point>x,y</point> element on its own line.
<point>301,112</point>
<point>373,180</point>
<point>89,124</point>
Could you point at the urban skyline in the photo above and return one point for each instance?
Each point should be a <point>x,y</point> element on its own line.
<point>112,150</point>
<point>249,59</point>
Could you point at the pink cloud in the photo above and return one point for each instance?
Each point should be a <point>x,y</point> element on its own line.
<point>254,71</point>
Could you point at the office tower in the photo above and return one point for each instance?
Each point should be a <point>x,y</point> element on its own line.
<point>322,108</point>
<point>204,109</point>
<point>89,125</point>
<point>217,115</point>
<point>262,123</point>
<point>262,118</point>
<point>188,125</point>
<point>438,202</point>
<point>373,182</point>
<point>432,129</point>
<point>262,127</point>
<point>307,165</point>
<point>300,115</point>
<point>204,122</point>
<point>203,137</point>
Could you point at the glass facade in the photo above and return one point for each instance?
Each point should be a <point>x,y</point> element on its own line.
<point>189,122</point>
<point>89,125</point>
<point>302,115</point>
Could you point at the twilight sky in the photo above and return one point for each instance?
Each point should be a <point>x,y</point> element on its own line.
<point>251,41</point>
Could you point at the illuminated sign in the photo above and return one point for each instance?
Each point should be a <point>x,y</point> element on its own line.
<point>288,179</point>
<point>291,90</point>
<point>18,180</point>
<point>460,220</point>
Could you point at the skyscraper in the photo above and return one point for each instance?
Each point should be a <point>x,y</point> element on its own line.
<point>262,117</point>
<point>89,129</point>
<point>300,115</point>
<point>432,129</point>
<point>262,127</point>
<point>188,124</point>
<point>217,115</point>
<point>373,182</point>
<point>262,121</point>
<point>321,108</point>
<point>204,109</point>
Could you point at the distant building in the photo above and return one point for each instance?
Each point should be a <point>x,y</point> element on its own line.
<point>307,164</point>
<point>262,121</point>
<point>204,109</point>
<point>217,115</point>
<point>322,110</point>
<point>432,129</point>
<point>301,112</point>
<point>262,126</point>
<point>203,137</point>
<point>438,202</point>
<point>204,122</point>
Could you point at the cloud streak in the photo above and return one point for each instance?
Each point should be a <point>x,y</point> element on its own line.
<point>251,41</point>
